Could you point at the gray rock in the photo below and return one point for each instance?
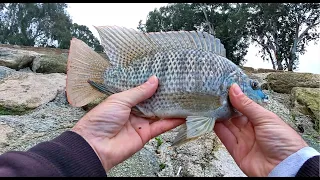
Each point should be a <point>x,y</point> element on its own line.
<point>28,90</point>
<point>284,82</point>
<point>44,123</point>
<point>4,130</point>
<point>16,58</point>
<point>5,72</point>
<point>50,63</point>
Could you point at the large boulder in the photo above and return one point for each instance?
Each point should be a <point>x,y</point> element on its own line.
<point>27,91</point>
<point>307,100</point>
<point>284,82</point>
<point>50,63</point>
<point>16,58</point>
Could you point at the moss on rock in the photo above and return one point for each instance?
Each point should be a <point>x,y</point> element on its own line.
<point>306,100</point>
<point>14,110</point>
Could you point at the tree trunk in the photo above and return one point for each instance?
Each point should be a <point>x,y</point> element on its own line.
<point>279,64</point>
<point>293,54</point>
<point>271,59</point>
<point>279,61</point>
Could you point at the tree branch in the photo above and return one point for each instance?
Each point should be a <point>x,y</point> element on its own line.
<point>307,29</point>
<point>207,20</point>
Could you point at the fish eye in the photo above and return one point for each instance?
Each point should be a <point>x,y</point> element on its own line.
<point>254,85</point>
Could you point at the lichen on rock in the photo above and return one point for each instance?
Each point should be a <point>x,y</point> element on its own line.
<point>306,100</point>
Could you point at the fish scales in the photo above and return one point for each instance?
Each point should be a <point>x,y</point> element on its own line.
<point>185,75</point>
<point>194,76</point>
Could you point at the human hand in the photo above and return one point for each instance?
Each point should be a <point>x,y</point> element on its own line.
<point>258,140</point>
<point>114,133</point>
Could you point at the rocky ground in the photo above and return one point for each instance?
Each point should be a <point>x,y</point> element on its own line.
<point>33,108</point>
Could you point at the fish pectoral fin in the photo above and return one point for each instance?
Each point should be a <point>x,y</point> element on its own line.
<point>101,87</point>
<point>194,127</point>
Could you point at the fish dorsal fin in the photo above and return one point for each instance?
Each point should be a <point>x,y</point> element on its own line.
<point>124,45</point>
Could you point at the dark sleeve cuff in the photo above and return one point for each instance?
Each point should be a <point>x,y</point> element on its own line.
<point>310,168</point>
<point>70,155</point>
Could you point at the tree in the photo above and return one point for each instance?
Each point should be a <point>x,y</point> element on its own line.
<point>278,29</point>
<point>174,17</point>
<point>141,27</point>
<point>41,24</point>
<point>31,24</point>
<point>83,33</point>
<point>306,18</point>
<point>225,21</point>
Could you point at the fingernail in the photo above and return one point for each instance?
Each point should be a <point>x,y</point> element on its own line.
<point>152,79</point>
<point>236,89</point>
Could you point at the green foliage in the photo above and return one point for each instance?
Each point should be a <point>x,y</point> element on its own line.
<point>162,166</point>
<point>159,141</point>
<point>283,30</point>
<point>41,24</point>
<point>229,23</point>
<point>83,33</point>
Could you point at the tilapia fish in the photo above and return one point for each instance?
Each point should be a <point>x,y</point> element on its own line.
<point>194,76</point>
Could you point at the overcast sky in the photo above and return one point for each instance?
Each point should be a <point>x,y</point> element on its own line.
<point>129,14</point>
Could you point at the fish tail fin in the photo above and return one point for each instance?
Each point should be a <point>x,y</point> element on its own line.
<point>83,65</point>
<point>194,127</point>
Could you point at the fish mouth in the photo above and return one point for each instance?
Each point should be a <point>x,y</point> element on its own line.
<point>264,102</point>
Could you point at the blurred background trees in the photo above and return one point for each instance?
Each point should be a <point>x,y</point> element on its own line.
<point>281,30</point>
<point>41,24</point>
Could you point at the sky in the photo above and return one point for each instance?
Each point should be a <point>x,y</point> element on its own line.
<point>129,14</point>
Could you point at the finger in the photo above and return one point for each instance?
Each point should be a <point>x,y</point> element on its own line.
<point>240,122</point>
<point>138,94</point>
<point>164,125</point>
<point>225,136</point>
<point>233,129</point>
<point>248,107</point>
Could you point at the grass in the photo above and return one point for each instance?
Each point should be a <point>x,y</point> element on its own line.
<point>162,166</point>
<point>159,141</point>
<point>7,111</point>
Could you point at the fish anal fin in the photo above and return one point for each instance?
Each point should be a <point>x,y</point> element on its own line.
<point>194,127</point>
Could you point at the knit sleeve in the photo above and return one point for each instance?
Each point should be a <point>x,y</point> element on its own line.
<point>310,168</point>
<point>66,155</point>
<point>290,166</point>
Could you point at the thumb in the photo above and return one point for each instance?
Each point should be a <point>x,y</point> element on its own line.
<point>138,94</point>
<point>255,113</point>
